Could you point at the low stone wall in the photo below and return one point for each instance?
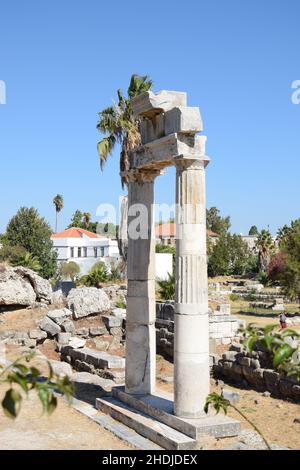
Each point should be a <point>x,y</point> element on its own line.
<point>255,370</point>
<point>96,362</point>
<point>223,329</point>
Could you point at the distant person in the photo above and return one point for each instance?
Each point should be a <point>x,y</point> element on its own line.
<point>282,320</point>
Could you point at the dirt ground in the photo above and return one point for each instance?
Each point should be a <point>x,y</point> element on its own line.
<point>274,417</point>
<point>68,429</point>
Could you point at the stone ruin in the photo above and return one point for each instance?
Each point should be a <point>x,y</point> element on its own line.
<point>168,138</point>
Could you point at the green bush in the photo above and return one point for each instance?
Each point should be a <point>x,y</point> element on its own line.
<point>166,287</point>
<point>263,278</point>
<point>97,275</point>
<point>18,256</point>
<point>70,270</point>
<point>234,297</point>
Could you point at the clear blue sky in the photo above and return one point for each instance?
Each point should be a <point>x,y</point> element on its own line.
<point>63,61</point>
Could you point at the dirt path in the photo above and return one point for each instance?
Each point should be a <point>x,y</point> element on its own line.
<point>66,429</point>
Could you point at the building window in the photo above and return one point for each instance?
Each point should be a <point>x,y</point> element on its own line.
<point>95,252</point>
<point>79,252</point>
<point>72,252</point>
<point>85,252</point>
<point>102,251</point>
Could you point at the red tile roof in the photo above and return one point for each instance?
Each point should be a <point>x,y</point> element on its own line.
<point>75,232</point>
<point>168,230</point>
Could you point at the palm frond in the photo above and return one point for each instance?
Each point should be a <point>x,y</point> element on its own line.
<point>139,84</point>
<point>105,148</point>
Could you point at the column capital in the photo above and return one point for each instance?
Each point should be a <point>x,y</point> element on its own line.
<point>191,162</point>
<point>141,176</point>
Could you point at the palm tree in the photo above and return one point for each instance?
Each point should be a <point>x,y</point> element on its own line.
<point>265,246</point>
<point>119,126</point>
<point>86,219</point>
<point>58,202</point>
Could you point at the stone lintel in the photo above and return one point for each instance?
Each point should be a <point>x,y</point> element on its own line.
<point>185,120</point>
<point>150,104</point>
<point>167,150</point>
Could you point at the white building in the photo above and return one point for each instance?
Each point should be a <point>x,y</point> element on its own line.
<point>87,248</point>
<point>83,247</point>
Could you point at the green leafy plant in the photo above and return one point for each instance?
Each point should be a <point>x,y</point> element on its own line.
<point>120,303</point>
<point>119,125</point>
<point>263,278</point>
<point>219,403</point>
<point>97,275</point>
<point>166,287</point>
<point>23,378</point>
<point>234,297</point>
<point>280,344</point>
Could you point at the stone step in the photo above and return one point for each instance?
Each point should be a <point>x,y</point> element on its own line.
<point>160,406</point>
<point>145,425</point>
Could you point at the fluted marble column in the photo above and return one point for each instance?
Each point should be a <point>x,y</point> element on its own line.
<point>191,349</point>
<point>140,318</point>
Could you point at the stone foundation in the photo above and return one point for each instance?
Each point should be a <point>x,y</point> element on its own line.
<point>254,370</point>
<point>223,329</point>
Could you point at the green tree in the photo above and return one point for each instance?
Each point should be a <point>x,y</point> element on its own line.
<point>58,202</point>
<point>216,223</point>
<point>86,219</point>
<point>230,256</point>
<point>76,220</point>
<point>290,246</point>
<point>30,231</point>
<point>119,125</point>
<point>265,245</point>
<point>97,275</point>
<point>70,270</point>
<point>253,230</point>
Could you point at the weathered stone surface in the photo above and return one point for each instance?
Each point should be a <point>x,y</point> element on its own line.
<point>115,343</point>
<point>63,338</point>
<point>149,103</point>
<point>76,343</point>
<point>58,297</point>
<point>59,316</point>
<point>14,288</point>
<point>84,332</point>
<point>232,396</point>
<point>112,322</point>
<point>41,287</point>
<point>38,335</point>
<point>86,301</point>
<point>49,326</point>
<point>30,343</point>
<point>116,331</point>
<point>61,369</point>
<point>101,344</point>
<point>68,326</point>
<point>98,330</point>
<point>119,312</point>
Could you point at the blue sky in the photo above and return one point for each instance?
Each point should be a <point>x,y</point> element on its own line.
<point>62,62</point>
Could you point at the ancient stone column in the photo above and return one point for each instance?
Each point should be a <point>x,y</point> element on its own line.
<point>191,349</point>
<point>140,318</point>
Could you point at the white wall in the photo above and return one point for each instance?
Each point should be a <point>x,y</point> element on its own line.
<point>163,265</point>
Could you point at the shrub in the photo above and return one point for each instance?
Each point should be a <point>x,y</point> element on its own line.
<point>166,287</point>
<point>70,270</point>
<point>96,276</point>
<point>18,256</point>
<point>263,278</point>
<point>234,297</point>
